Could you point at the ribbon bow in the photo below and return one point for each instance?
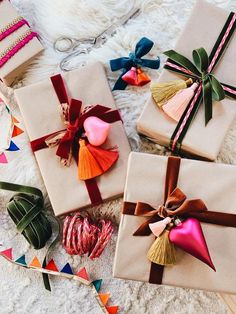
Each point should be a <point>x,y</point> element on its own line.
<point>134,60</point>
<point>176,204</point>
<point>74,119</point>
<point>201,69</point>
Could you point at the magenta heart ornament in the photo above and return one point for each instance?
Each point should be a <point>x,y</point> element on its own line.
<point>96,130</point>
<point>188,236</point>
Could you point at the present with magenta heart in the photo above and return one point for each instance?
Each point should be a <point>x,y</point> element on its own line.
<point>77,136</point>
<point>192,105</point>
<point>19,44</point>
<point>178,224</point>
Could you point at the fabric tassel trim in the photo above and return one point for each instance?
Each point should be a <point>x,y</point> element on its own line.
<point>136,77</point>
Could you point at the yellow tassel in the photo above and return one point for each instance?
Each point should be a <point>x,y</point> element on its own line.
<point>88,167</point>
<point>162,92</point>
<point>162,251</point>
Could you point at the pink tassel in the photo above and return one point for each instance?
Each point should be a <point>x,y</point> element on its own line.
<point>176,106</point>
<point>158,227</point>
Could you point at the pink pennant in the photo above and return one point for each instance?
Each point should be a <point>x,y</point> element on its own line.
<point>7,253</point>
<point>3,159</point>
<point>83,274</point>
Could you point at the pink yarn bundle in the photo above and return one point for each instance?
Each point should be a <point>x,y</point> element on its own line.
<point>81,236</point>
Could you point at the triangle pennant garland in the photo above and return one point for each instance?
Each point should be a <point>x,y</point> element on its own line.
<point>35,263</point>
<point>51,266</point>
<point>112,309</point>
<point>15,120</point>
<point>21,260</point>
<point>97,284</point>
<point>104,297</point>
<point>3,159</point>
<point>13,147</point>
<point>67,269</point>
<point>83,274</point>
<point>7,253</point>
<point>16,131</point>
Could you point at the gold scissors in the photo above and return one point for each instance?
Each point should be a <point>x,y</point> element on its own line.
<point>77,47</point>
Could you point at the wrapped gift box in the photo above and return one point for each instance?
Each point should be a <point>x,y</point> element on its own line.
<point>39,107</point>
<point>212,183</point>
<point>17,63</point>
<point>202,30</point>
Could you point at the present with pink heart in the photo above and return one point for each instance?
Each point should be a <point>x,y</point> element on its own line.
<point>77,136</point>
<point>178,223</point>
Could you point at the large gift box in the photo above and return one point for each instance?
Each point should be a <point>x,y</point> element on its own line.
<point>204,27</point>
<point>148,185</point>
<point>39,104</point>
<point>19,45</point>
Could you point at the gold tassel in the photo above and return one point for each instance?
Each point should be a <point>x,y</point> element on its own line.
<point>162,92</point>
<point>162,251</point>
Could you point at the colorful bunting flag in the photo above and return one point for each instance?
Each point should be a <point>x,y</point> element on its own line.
<point>35,263</point>
<point>3,159</point>
<point>83,274</point>
<point>13,147</point>
<point>67,269</point>
<point>21,260</point>
<point>51,266</point>
<point>16,131</point>
<point>7,253</point>
<point>112,309</point>
<point>97,284</point>
<point>104,297</point>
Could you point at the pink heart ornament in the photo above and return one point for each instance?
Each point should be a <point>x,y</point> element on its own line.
<point>96,130</point>
<point>188,236</point>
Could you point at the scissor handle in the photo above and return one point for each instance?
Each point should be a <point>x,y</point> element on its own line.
<point>68,44</point>
<point>65,61</point>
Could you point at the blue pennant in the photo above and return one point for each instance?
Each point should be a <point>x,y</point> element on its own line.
<point>21,260</point>
<point>13,147</point>
<point>67,269</point>
<point>97,284</point>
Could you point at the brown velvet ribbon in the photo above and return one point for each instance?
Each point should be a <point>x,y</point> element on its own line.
<point>175,203</point>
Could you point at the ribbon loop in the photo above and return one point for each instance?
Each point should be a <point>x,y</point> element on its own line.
<point>201,60</point>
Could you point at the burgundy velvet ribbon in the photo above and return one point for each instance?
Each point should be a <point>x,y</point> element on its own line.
<point>199,211</point>
<point>74,130</point>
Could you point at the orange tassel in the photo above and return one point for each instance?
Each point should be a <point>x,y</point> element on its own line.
<point>88,167</point>
<point>142,78</point>
<point>94,161</point>
<point>105,158</point>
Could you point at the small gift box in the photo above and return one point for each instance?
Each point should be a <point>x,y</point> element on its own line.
<point>19,44</point>
<point>202,196</point>
<point>203,125</point>
<point>44,106</point>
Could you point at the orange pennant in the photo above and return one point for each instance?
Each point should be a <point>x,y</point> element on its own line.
<point>104,297</point>
<point>112,309</point>
<point>7,253</point>
<point>16,131</point>
<point>35,263</point>
<point>83,274</point>
<point>15,120</point>
<point>51,266</point>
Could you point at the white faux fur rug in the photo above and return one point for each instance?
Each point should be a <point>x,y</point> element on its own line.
<point>22,290</point>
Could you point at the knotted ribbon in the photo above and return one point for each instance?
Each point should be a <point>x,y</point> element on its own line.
<point>68,139</point>
<point>175,203</point>
<point>210,89</point>
<point>134,60</point>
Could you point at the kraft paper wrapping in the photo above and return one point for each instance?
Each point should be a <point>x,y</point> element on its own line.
<point>202,30</point>
<point>16,65</point>
<point>40,109</point>
<point>215,184</point>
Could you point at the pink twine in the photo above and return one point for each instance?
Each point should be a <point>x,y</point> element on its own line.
<point>81,236</point>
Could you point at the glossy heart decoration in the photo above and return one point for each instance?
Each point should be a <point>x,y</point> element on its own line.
<point>96,130</point>
<point>188,236</point>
